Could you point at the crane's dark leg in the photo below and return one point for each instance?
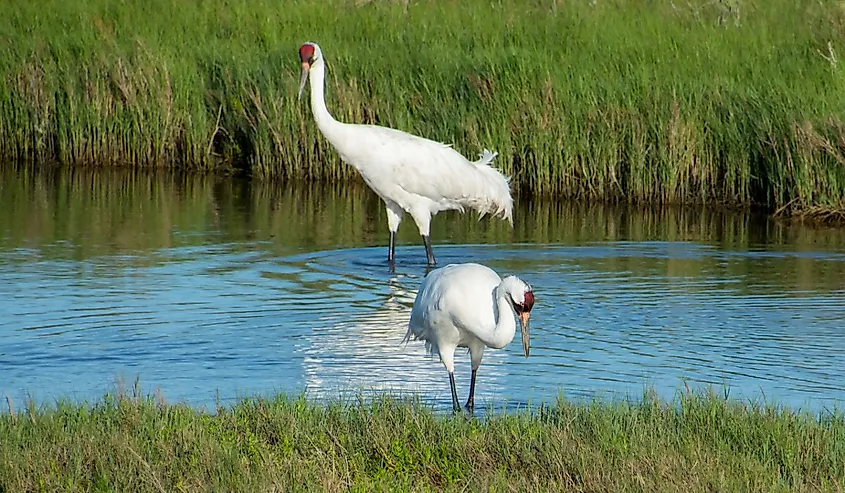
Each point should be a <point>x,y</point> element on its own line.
<point>391,252</point>
<point>471,401</point>
<point>428,252</point>
<point>455,405</point>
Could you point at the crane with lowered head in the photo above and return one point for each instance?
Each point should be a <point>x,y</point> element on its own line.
<point>469,305</point>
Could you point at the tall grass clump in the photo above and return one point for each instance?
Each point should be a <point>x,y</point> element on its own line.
<point>728,101</point>
<point>699,442</point>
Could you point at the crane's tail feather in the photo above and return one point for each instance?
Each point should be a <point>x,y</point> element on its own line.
<point>493,195</point>
<point>407,338</point>
<point>487,158</point>
<point>429,347</point>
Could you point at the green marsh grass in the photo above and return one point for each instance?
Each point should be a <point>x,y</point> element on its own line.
<point>699,442</point>
<point>704,101</point>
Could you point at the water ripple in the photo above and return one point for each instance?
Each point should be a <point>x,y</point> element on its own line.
<point>610,319</point>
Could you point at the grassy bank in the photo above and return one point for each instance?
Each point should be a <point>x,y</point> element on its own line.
<point>710,101</point>
<point>700,442</point>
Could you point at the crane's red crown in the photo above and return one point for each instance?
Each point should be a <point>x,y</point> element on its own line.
<point>528,304</point>
<point>306,53</point>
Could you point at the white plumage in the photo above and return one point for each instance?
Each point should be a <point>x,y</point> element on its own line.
<point>469,305</point>
<point>410,174</point>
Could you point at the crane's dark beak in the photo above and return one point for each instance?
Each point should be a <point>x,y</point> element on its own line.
<point>523,322</point>
<point>303,79</point>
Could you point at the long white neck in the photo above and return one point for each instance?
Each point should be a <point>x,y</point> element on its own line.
<point>502,334</point>
<point>328,125</point>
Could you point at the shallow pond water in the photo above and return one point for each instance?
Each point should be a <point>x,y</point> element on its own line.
<point>212,288</point>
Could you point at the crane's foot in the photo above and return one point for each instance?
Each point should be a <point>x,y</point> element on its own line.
<point>470,407</point>
<point>428,252</point>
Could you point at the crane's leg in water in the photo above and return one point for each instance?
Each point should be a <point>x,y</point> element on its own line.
<point>428,252</point>
<point>391,252</point>
<point>471,401</point>
<point>422,217</point>
<point>394,217</point>
<point>455,405</point>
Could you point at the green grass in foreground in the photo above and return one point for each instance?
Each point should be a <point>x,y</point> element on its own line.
<point>699,442</point>
<point>703,101</point>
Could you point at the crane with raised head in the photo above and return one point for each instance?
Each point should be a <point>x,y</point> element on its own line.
<point>469,305</point>
<point>410,174</point>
